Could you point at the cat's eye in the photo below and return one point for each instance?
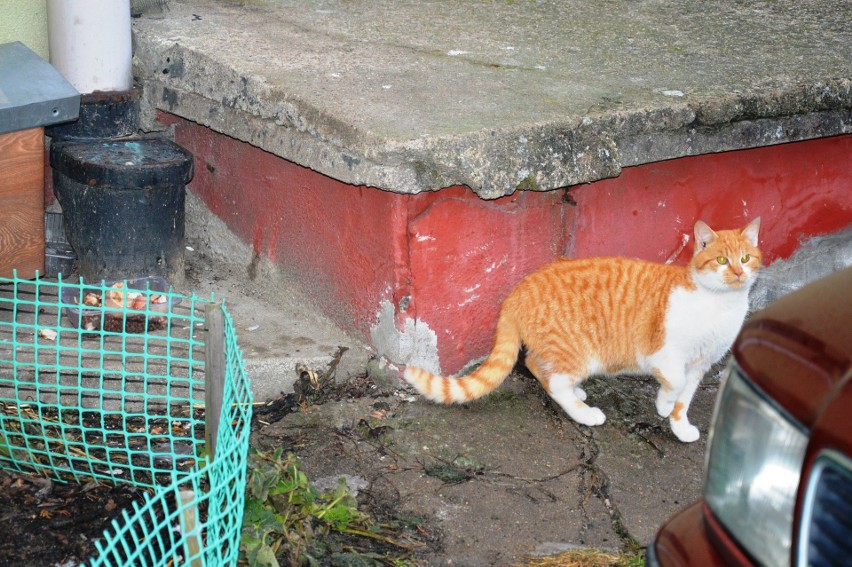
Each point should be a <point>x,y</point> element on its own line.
<point>722,260</point>
<point>745,258</point>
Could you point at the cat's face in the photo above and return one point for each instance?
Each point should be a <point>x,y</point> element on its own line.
<point>727,259</point>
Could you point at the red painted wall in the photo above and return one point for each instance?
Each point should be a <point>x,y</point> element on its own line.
<point>447,258</point>
<point>466,253</point>
<point>799,190</point>
<point>344,245</point>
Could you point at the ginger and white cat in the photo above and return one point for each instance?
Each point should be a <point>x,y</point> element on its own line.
<point>578,318</point>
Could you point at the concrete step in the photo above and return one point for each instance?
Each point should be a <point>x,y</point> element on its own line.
<point>405,177</point>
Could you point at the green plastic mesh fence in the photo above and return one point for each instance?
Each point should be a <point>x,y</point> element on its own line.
<point>99,382</point>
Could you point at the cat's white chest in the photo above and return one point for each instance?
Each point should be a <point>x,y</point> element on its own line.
<point>702,324</point>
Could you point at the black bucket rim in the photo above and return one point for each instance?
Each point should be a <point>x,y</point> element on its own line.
<point>157,161</point>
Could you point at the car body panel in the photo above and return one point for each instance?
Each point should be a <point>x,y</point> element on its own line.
<point>831,433</point>
<point>798,349</point>
<point>686,540</point>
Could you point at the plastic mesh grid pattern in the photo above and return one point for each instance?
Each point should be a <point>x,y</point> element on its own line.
<point>117,394</point>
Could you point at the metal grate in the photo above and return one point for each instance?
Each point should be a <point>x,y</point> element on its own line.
<point>827,519</point>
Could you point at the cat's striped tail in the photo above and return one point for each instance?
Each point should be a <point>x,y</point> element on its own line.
<point>489,375</point>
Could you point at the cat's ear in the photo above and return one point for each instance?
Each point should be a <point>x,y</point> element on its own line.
<point>704,235</point>
<point>751,230</point>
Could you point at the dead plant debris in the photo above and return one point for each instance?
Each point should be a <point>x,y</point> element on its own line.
<point>52,523</point>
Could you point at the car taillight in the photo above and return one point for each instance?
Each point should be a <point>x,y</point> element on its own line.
<point>753,468</point>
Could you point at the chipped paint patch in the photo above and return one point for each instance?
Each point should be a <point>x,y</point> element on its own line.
<point>415,344</point>
<point>495,265</point>
<point>684,240</point>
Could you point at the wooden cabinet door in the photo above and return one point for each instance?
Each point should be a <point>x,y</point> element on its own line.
<point>22,202</point>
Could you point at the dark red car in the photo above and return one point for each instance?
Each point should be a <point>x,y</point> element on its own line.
<point>778,480</point>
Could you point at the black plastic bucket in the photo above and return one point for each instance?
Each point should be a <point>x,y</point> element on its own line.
<point>112,114</point>
<point>123,202</point>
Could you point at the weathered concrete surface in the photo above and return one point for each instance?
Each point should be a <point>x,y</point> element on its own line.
<point>411,96</point>
<point>508,476</point>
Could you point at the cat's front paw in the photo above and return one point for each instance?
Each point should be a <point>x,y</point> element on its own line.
<point>685,431</point>
<point>589,416</point>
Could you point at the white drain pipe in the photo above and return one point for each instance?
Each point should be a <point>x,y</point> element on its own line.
<point>90,43</point>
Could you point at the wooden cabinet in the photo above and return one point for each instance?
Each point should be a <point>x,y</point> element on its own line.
<point>22,202</point>
<point>32,95</point>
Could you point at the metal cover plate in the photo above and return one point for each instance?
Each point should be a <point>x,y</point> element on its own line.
<point>32,92</point>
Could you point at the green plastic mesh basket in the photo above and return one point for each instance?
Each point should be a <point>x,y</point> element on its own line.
<point>144,387</point>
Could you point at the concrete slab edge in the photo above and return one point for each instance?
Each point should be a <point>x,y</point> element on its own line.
<point>540,157</point>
